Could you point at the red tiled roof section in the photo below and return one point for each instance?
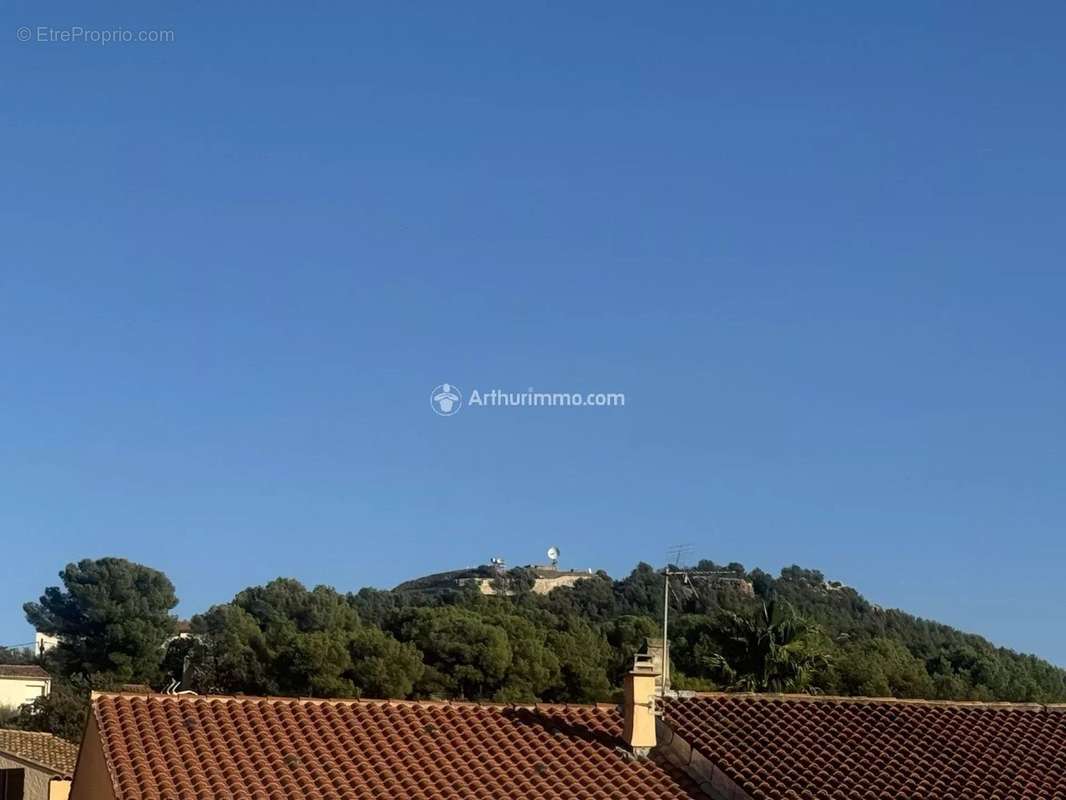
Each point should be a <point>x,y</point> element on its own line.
<point>22,671</point>
<point>170,747</point>
<point>51,752</point>
<point>780,748</point>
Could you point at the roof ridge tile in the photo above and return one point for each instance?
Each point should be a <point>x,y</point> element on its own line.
<point>340,701</point>
<point>861,700</point>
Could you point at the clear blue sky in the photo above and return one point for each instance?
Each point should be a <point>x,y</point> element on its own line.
<point>819,249</point>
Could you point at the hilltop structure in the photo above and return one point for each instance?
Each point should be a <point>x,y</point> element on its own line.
<point>545,578</point>
<point>494,578</point>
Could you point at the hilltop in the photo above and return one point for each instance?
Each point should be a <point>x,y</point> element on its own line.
<point>495,579</point>
<point>856,647</point>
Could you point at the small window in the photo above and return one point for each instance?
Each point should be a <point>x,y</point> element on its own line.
<point>11,781</point>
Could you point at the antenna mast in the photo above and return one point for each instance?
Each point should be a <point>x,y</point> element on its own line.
<point>679,553</point>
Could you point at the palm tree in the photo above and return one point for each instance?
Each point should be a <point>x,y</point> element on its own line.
<point>775,650</point>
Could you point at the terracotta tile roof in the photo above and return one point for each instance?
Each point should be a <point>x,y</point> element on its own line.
<point>791,748</point>
<point>55,754</point>
<point>173,747</point>
<point>22,671</point>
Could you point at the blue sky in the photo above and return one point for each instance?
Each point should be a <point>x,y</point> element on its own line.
<point>819,250</point>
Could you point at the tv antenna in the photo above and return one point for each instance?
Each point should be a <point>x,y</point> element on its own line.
<point>677,555</point>
<point>680,553</point>
<point>553,555</point>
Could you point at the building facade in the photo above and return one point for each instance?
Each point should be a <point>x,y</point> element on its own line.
<point>21,684</point>
<point>35,766</point>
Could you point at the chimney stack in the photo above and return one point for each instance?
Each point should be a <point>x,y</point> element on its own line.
<point>660,655</point>
<point>639,728</point>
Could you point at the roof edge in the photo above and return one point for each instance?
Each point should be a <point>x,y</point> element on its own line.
<point>761,696</point>
<point>859,700</point>
<point>353,701</point>
<point>40,765</point>
<point>25,671</point>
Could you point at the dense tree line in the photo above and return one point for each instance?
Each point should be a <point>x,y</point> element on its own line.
<point>739,631</point>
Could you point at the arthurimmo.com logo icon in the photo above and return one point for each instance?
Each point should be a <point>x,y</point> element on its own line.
<point>446,400</point>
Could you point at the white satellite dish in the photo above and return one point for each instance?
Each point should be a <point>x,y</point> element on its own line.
<point>553,554</point>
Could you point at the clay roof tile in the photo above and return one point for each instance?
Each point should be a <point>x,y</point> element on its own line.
<point>43,749</point>
<point>162,746</point>
<point>782,747</point>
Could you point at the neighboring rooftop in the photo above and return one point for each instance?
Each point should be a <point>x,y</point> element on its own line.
<point>23,671</point>
<point>43,749</point>
<point>781,747</point>
<point>134,688</point>
<point>165,746</point>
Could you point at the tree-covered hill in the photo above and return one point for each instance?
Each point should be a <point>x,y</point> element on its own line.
<point>442,581</point>
<point>736,630</point>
